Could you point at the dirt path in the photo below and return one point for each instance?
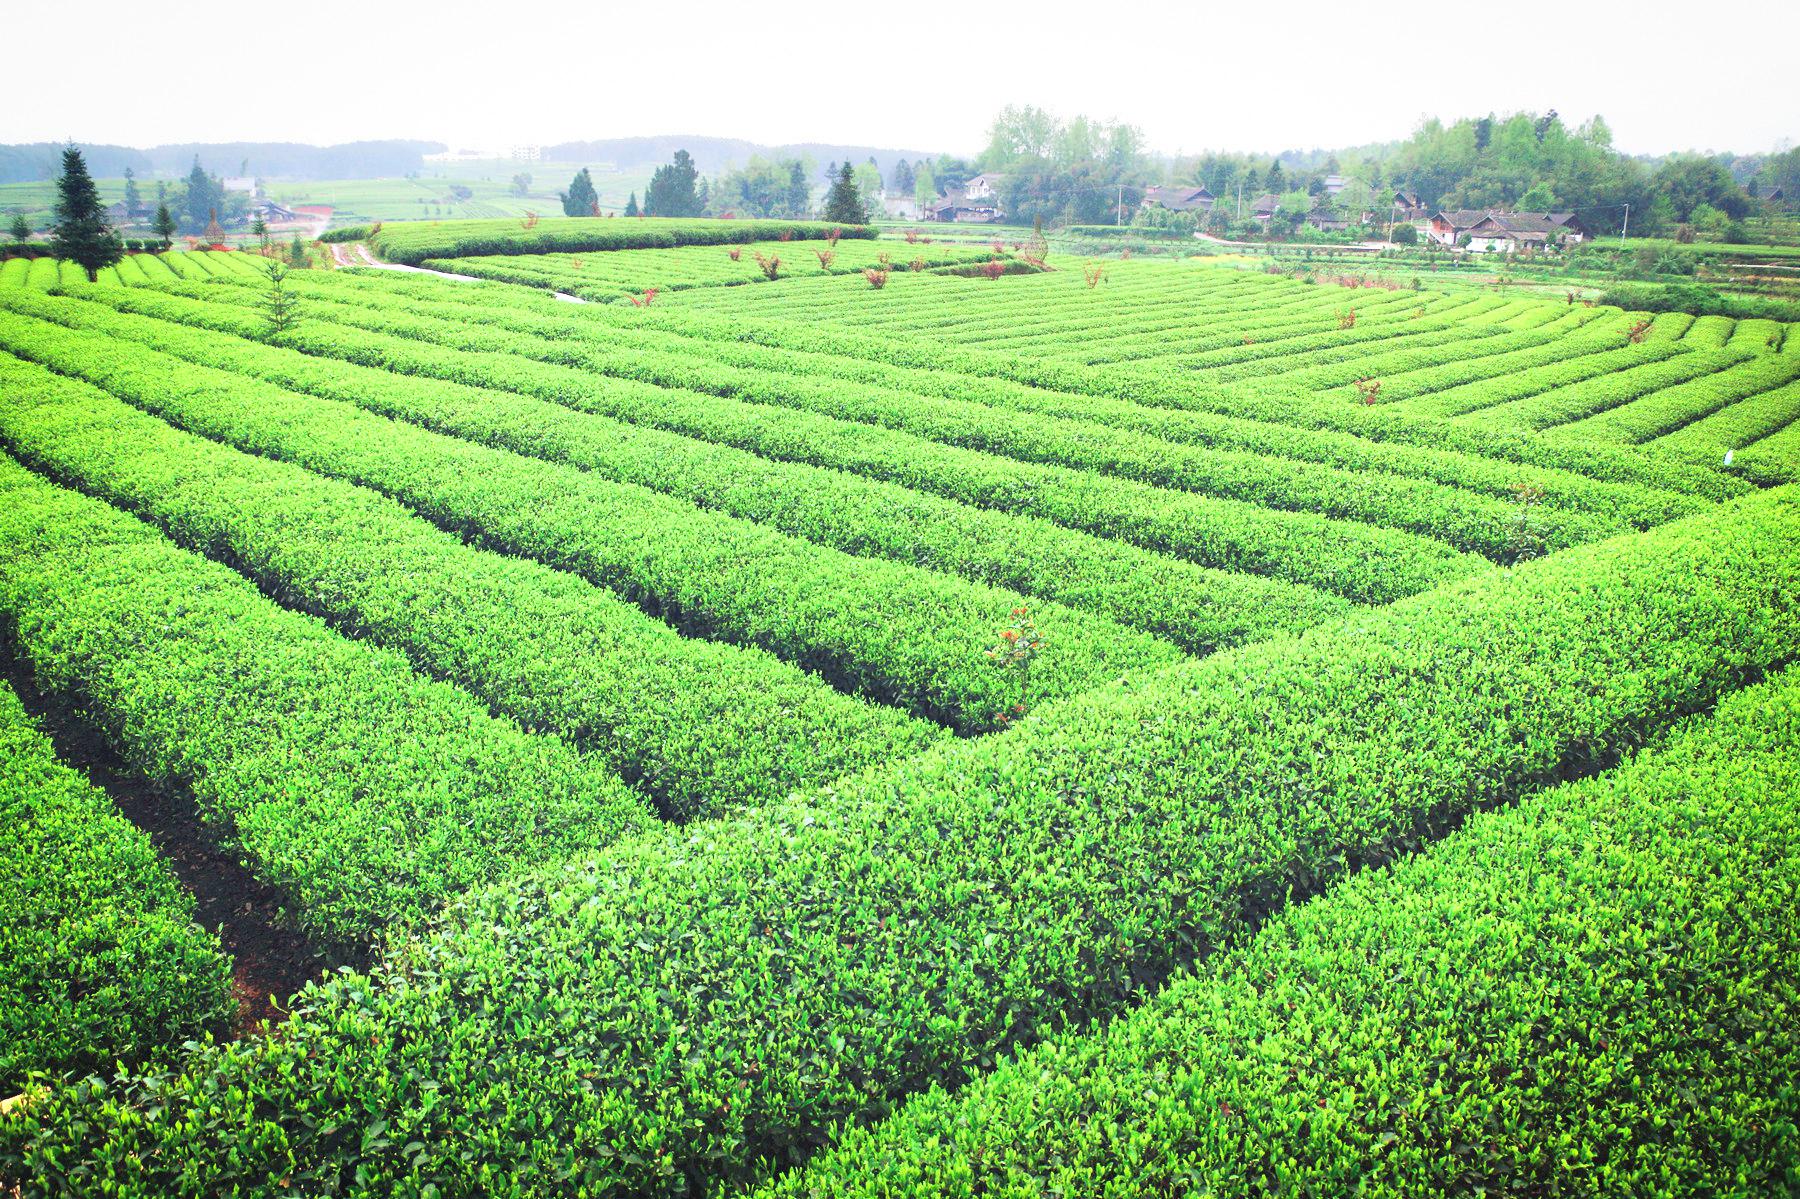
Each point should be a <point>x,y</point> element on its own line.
<point>358,254</point>
<point>268,959</point>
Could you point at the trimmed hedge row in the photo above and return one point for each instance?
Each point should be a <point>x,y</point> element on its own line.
<point>366,793</point>
<point>1469,522</point>
<point>1565,404</point>
<point>1591,993</point>
<point>696,725</point>
<point>450,318</point>
<point>1734,426</point>
<point>1593,508</point>
<point>1564,360</point>
<point>609,276</point>
<point>889,631</point>
<point>1199,609</point>
<point>684,1011</point>
<point>1357,561</point>
<point>1660,412</point>
<point>412,242</point>
<point>100,957</point>
<point>1150,384</point>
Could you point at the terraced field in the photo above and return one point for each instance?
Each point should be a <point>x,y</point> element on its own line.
<point>810,738</point>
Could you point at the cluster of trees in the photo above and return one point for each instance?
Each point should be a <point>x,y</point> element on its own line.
<point>1527,161</point>
<point>1079,171</point>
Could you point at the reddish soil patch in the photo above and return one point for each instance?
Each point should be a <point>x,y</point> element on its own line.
<point>269,959</point>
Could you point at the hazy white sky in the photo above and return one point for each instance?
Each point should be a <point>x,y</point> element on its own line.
<point>1248,75</point>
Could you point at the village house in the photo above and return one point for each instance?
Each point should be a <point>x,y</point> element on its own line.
<point>900,208</point>
<point>1505,232</point>
<point>1265,206</point>
<point>273,213</point>
<point>1408,206</point>
<point>1328,220</point>
<point>957,205</point>
<point>1179,199</point>
<point>982,186</point>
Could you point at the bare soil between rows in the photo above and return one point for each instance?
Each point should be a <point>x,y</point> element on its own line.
<point>270,960</point>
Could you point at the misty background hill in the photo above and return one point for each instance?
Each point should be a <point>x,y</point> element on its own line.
<point>34,161</point>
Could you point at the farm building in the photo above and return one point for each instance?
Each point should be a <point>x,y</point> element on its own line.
<point>982,186</point>
<point>900,208</point>
<point>1179,199</point>
<point>1408,206</point>
<point>1265,206</point>
<point>1491,229</point>
<point>958,205</point>
<point>1328,220</point>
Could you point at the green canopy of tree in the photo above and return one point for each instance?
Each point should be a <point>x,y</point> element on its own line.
<point>764,187</point>
<point>581,199</point>
<point>631,206</point>
<point>674,189</point>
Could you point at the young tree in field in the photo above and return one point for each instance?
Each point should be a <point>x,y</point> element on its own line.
<point>673,189</point>
<point>164,225</point>
<point>580,199</point>
<point>631,206</point>
<point>278,302</point>
<point>844,203</point>
<point>134,203</point>
<point>81,234</point>
<point>521,184</point>
<point>20,229</point>
<point>260,228</point>
<point>297,253</point>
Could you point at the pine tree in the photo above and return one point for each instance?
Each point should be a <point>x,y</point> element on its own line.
<point>631,206</point>
<point>200,206</point>
<point>164,225</point>
<point>799,191</point>
<point>581,199</point>
<point>81,234</point>
<point>20,228</point>
<point>1275,178</point>
<point>844,203</point>
<point>134,203</point>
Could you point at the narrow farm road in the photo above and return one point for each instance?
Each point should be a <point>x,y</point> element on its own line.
<point>358,254</point>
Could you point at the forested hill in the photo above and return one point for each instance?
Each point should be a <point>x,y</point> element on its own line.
<point>713,154</point>
<point>26,162</point>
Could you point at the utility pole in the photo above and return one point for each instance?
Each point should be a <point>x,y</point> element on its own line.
<point>1119,211</point>
<point>1240,211</point>
<point>1625,225</point>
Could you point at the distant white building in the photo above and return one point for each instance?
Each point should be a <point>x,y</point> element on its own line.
<point>244,184</point>
<point>901,208</point>
<point>981,187</point>
<point>527,153</point>
<point>463,156</point>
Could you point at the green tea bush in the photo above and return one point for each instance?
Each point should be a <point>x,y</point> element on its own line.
<point>414,241</point>
<point>366,793</point>
<point>697,726</point>
<point>1469,1021</point>
<point>691,1009</point>
<point>100,957</point>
